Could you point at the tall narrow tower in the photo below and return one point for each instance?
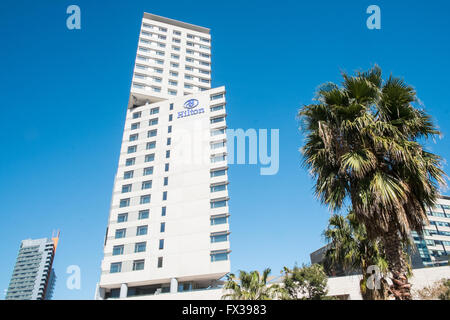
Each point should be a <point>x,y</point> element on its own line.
<point>168,231</point>
<point>33,276</point>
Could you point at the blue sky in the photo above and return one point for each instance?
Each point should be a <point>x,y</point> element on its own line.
<point>64,95</point>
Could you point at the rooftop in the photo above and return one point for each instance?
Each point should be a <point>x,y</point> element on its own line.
<point>176,23</point>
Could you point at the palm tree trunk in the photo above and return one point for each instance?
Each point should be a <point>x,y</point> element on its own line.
<point>400,287</point>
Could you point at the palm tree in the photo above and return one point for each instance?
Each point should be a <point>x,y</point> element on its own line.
<point>363,146</point>
<point>250,286</point>
<point>350,248</point>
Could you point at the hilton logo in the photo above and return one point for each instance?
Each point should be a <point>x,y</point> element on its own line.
<point>189,106</point>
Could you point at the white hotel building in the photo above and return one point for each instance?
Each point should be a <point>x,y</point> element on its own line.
<point>168,231</point>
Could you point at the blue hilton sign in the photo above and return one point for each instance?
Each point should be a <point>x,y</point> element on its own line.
<point>190,105</point>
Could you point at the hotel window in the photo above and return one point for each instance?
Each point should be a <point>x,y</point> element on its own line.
<point>141,230</point>
<point>169,141</point>
<point>117,250</point>
<point>175,48</point>
<point>178,33</point>
<point>173,83</point>
<point>126,188</point>
<point>174,56</point>
<point>134,137</point>
<point>148,171</point>
<point>143,214</point>
<point>124,203</point>
<point>217,96</point>
<point>163,227</point>
<point>161,244</point>
<point>169,129</point>
<point>167,154</point>
<point>161,37</point>
<point>153,122</point>
<point>189,59</point>
<point>115,267</point>
<point>217,108</point>
<point>139,66</point>
<point>140,247</point>
<point>130,162</point>
<point>172,92</point>
<point>173,73</point>
<point>216,120</point>
<point>170,117</point>
<point>132,149</point>
<point>135,126</point>
<point>166,167</point>
<point>174,65</point>
<point>159,53</point>
<point>166,181</point>
<point>160,262</point>
<point>120,233</point>
<point>219,237</point>
<point>136,115</point>
<point>219,187</point>
<point>152,133</point>
<point>217,132</point>
<point>139,86</point>
<point>128,174</point>
<point>190,36</point>
<point>189,51</point>
<point>157,70</point>
<point>151,145</point>
<point>188,77</point>
<point>165,195</point>
<point>149,157</point>
<point>217,145</point>
<point>122,217</point>
<point>161,45</point>
<point>218,158</point>
<point>205,40</point>
<point>203,71</point>
<point>204,63</point>
<point>189,68</point>
<point>163,211</point>
<point>221,255</point>
<point>140,76</point>
<point>154,110</point>
<point>218,173</point>
<point>138,265</point>
<point>218,203</point>
<point>188,86</point>
<point>215,220</point>
<point>147,184</point>
<point>176,40</point>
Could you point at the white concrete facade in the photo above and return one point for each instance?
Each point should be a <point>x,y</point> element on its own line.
<point>173,59</point>
<point>168,225</point>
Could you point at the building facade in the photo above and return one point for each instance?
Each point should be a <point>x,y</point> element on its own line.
<point>433,245</point>
<point>168,230</point>
<point>431,248</point>
<point>33,277</point>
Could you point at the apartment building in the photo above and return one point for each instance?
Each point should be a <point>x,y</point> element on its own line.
<point>33,277</point>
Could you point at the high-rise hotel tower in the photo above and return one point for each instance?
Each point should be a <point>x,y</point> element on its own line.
<point>168,231</point>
